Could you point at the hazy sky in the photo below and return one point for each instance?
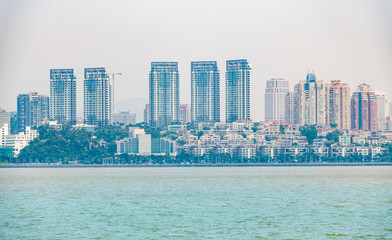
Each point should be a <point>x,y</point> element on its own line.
<point>349,40</point>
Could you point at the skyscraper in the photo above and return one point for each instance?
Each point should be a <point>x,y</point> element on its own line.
<point>97,97</point>
<point>381,104</point>
<point>364,109</point>
<point>4,118</point>
<point>338,104</point>
<point>33,109</point>
<point>275,94</point>
<point>390,109</point>
<point>184,114</point>
<point>62,104</point>
<point>164,93</point>
<point>291,116</point>
<point>237,90</point>
<point>146,114</point>
<point>310,94</point>
<point>205,92</point>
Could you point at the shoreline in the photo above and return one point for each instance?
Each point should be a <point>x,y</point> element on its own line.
<point>195,165</point>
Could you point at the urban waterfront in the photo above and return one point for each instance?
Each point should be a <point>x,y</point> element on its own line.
<point>196,203</point>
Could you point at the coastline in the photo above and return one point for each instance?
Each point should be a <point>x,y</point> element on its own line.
<point>196,165</point>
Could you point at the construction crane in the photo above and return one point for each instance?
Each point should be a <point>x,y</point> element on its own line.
<point>113,74</point>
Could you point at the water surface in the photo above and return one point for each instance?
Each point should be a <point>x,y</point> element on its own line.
<point>197,203</point>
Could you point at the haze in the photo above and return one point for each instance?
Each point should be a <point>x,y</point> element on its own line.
<point>348,40</point>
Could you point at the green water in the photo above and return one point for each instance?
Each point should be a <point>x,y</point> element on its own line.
<point>197,203</point>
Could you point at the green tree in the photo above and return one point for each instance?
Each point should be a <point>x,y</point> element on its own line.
<point>334,136</point>
<point>310,132</point>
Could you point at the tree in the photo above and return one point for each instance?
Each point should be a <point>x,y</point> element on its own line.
<point>199,134</point>
<point>334,136</point>
<point>310,132</point>
<point>282,129</point>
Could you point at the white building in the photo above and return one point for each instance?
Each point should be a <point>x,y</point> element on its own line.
<point>237,90</point>
<point>125,118</point>
<point>164,94</point>
<point>4,117</point>
<point>62,103</point>
<point>381,105</point>
<point>205,92</point>
<point>311,95</point>
<point>16,141</point>
<point>97,97</point>
<point>275,94</point>
<point>4,131</point>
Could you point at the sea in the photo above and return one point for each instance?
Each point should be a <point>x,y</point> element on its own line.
<point>338,202</point>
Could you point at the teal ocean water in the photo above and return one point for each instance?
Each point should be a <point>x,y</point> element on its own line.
<point>196,203</point>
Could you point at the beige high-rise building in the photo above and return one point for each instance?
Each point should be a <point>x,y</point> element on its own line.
<point>4,117</point>
<point>381,105</point>
<point>310,95</point>
<point>338,104</point>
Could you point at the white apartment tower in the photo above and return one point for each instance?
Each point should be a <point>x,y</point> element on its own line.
<point>164,102</point>
<point>381,105</point>
<point>62,102</point>
<point>97,97</point>
<point>205,92</point>
<point>237,90</point>
<point>291,116</point>
<point>311,95</point>
<point>275,94</point>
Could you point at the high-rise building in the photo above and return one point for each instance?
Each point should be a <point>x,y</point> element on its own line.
<point>275,94</point>
<point>310,94</point>
<point>146,114</point>
<point>184,114</point>
<point>237,90</point>
<point>164,94</point>
<point>97,97</point>
<point>338,104</point>
<point>205,92</point>
<point>390,109</point>
<point>4,117</point>
<point>381,104</point>
<point>291,108</point>
<point>62,103</point>
<point>33,109</point>
<point>364,109</point>
<point>125,118</point>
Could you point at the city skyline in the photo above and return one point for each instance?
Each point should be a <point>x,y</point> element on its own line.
<point>328,103</point>
<point>349,40</point>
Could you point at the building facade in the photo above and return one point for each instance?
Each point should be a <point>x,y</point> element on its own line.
<point>205,92</point>
<point>184,114</point>
<point>381,105</point>
<point>275,94</point>
<point>164,94</point>
<point>311,95</point>
<point>338,104</point>
<point>62,103</point>
<point>125,118</point>
<point>146,114</point>
<point>32,110</point>
<point>16,141</point>
<point>4,117</point>
<point>97,97</point>
<point>237,90</point>
<point>291,116</point>
<point>364,109</point>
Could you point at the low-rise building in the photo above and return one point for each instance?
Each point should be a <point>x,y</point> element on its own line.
<point>19,141</point>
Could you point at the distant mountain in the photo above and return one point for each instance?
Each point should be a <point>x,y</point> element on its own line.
<point>133,105</point>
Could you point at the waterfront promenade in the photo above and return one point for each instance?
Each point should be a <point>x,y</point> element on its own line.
<point>41,165</point>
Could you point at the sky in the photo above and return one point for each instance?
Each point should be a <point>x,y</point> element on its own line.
<point>338,39</point>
